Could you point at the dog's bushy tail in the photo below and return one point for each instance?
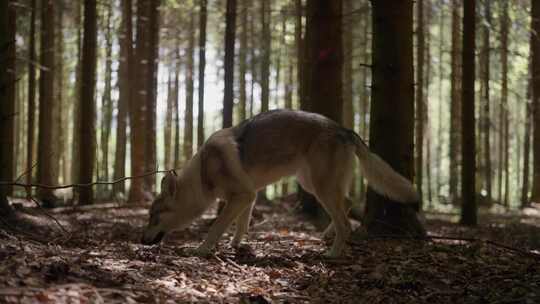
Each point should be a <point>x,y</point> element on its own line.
<point>381,177</point>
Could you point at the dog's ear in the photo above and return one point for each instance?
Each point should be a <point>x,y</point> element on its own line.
<point>168,184</point>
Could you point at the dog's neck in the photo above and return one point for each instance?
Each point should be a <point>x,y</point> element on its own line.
<point>191,177</point>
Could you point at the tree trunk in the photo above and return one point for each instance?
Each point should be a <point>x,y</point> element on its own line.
<point>167,130</point>
<point>31,97</point>
<point>348,109</point>
<point>535,42</point>
<point>299,42</point>
<point>188,119</point>
<point>7,43</point>
<point>324,42</point>
<point>468,151</point>
<point>106,101</point>
<point>230,33</point>
<point>57,124</point>
<point>176,100</point>
<point>75,152</point>
<point>439,151</point>
<point>88,108</point>
<point>392,123</point>
<point>139,78</point>
<point>125,95</point>
<point>504,104</point>
<point>46,104</point>
<point>265,57</point>
<point>419,144</point>
<point>428,146</point>
<point>242,61</point>
<point>151,93</point>
<point>202,66</point>
<point>455,106</point>
<point>486,145</point>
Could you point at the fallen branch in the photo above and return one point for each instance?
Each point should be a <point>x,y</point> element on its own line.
<point>82,185</point>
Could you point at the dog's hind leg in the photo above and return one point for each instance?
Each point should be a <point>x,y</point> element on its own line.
<point>236,204</point>
<point>242,225</point>
<point>330,231</point>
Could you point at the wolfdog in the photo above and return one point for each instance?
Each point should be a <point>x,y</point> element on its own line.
<point>234,163</point>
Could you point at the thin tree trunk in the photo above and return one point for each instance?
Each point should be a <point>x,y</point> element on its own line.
<point>299,42</point>
<point>30,135</point>
<point>88,110</point>
<point>75,152</point>
<point>46,104</point>
<point>526,155</point>
<point>486,99</point>
<point>57,124</point>
<point>535,42</point>
<point>139,101</point>
<point>419,144</point>
<point>455,107</point>
<point>125,69</point>
<point>230,33</point>
<point>242,61</point>
<point>188,119</point>
<point>106,101</point>
<point>348,109</point>
<point>428,145</point>
<point>176,100</point>
<point>468,153</point>
<point>202,66</point>
<point>167,130</point>
<point>151,92</point>
<point>504,101</point>
<point>439,151</point>
<point>7,99</point>
<point>265,57</point>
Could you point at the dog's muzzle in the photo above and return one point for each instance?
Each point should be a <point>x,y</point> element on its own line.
<point>157,238</point>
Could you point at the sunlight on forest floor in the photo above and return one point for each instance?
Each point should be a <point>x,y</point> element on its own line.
<point>101,260</point>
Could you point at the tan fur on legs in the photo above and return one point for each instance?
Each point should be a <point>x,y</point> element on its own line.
<point>330,232</point>
<point>242,226</point>
<point>235,206</point>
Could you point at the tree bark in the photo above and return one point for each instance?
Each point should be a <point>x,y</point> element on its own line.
<point>46,104</point>
<point>75,152</point>
<point>419,143</point>
<point>265,56</point>
<point>392,123</point>
<point>486,145</point>
<point>125,95</point>
<point>30,132</point>
<point>455,106</point>
<point>468,136</point>
<point>503,191</point>
<point>535,42</point>
<point>230,34</point>
<point>348,109</point>
<point>202,66</point>
<point>242,61</point>
<point>88,109</point>
<point>188,119</point>
<point>7,42</point>
<point>106,101</point>
<point>139,100</point>
<point>151,93</point>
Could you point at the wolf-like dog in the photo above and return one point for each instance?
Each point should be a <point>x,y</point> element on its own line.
<point>234,163</point>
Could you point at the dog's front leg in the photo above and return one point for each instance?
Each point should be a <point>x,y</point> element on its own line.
<point>235,206</point>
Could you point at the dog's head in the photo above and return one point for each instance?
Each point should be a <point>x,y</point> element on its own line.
<point>163,212</point>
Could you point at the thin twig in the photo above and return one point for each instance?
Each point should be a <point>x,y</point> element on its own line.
<point>50,216</point>
<point>37,185</point>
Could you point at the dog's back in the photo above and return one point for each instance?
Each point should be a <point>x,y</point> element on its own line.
<point>272,144</point>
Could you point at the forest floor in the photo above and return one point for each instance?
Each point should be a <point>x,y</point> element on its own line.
<point>99,260</point>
